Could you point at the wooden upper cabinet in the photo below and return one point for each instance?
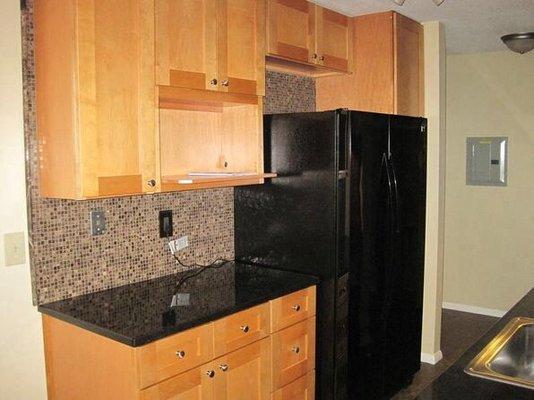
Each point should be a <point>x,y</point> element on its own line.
<point>95,97</point>
<point>211,45</point>
<point>186,43</point>
<point>388,68</point>
<point>316,38</point>
<point>291,29</point>
<point>241,46</point>
<point>333,42</point>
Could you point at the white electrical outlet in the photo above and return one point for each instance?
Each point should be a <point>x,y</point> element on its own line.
<point>178,244</point>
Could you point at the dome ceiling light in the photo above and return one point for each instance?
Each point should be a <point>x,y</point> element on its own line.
<point>401,2</point>
<point>519,42</point>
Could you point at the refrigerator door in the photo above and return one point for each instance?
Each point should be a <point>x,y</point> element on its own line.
<point>370,253</point>
<point>407,150</point>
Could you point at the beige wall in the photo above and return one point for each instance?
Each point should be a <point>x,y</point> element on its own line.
<point>435,113</point>
<point>21,349</point>
<point>489,231</point>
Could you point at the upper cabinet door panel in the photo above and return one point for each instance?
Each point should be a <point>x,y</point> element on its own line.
<point>291,29</point>
<point>186,43</point>
<point>334,39</point>
<point>408,76</point>
<point>241,46</point>
<point>116,97</point>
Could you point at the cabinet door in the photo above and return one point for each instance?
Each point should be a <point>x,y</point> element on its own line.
<point>196,384</point>
<point>116,115</point>
<point>408,72</point>
<point>245,374</point>
<point>291,29</point>
<point>186,43</point>
<point>241,46</point>
<point>334,39</point>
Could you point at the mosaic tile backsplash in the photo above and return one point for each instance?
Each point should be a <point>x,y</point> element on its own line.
<point>67,261</point>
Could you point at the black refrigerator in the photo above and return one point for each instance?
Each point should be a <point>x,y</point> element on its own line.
<point>348,206</point>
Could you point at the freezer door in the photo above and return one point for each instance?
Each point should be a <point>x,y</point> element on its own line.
<point>370,253</point>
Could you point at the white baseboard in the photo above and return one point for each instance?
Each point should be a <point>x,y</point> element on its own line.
<point>431,358</point>
<point>473,309</point>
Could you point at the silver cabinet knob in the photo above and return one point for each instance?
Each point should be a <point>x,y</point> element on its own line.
<point>180,354</point>
<point>321,58</point>
<point>296,307</point>
<point>245,328</point>
<point>151,182</point>
<point>295,349</point>
<point>223,367</point>
<point>210,373</point>
<point>213,82</point>
<point>226,82</point>
<point>314,56</point>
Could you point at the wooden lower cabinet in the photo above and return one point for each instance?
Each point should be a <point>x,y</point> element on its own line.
<point>301,389</point>
<point>237,357</point>
<point>244,374</point>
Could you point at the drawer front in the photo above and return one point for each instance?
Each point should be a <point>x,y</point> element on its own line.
<point>293,352</point>
<point>293,308</point>
<point>301,389</point>
<point>175,354</point>
<point>195,384</point>
<point>240,329</point>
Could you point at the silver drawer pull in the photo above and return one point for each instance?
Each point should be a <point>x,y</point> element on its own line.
<point>223,367</point>
<point>245,328</point>
<point>295,349</point>
<point>180,354</point>
<point>296,307</point>
<point>210,373</point>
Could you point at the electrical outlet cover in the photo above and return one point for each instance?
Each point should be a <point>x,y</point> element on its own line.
<point>181,243</point>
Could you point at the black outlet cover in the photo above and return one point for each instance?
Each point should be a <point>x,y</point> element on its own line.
<point>165,223</point>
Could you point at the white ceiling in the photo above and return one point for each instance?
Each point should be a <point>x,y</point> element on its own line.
<point>471,26</point>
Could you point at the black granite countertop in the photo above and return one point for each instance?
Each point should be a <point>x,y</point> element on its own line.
<point>140,313</point>
<point>455,384</point>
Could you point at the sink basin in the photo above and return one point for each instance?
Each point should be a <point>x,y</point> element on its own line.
<point>509,357</point>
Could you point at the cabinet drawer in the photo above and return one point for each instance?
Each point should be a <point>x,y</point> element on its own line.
<point>195,384</point>
<point>301,389</point>
<point>240,329</point>
<point>175,354</point>
<point>293,308</point>
<point>293,352</point>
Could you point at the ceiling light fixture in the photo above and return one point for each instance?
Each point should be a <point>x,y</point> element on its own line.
<point>401,2</point>
<point>519,42</point>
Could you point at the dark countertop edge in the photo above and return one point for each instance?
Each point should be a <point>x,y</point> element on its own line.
<point>311,281</point>
<point>518,310</point>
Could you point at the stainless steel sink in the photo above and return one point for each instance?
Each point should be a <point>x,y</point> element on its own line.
<point>509,357</point>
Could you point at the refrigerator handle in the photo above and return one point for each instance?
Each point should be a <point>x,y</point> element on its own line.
<point>396,195</point>
<point>385,163</point>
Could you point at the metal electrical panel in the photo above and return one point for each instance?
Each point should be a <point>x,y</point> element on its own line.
<point>486,161</point>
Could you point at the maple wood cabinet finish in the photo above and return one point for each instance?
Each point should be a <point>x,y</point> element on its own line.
<point>292,308</point>
<point>304,33</point>
<point>172,355</point>
<point>95,97</point>
<point>241,328</point>
<point>211,45</point>
<point>388,69</point>
<point>233,358</point>
<point>295,352</point>
<point>301,389</point>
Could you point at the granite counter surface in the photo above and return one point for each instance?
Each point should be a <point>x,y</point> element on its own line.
<point>455,384</point>
<point>139,313</point>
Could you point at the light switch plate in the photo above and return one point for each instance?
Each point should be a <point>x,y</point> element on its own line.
<point>14,249</point>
